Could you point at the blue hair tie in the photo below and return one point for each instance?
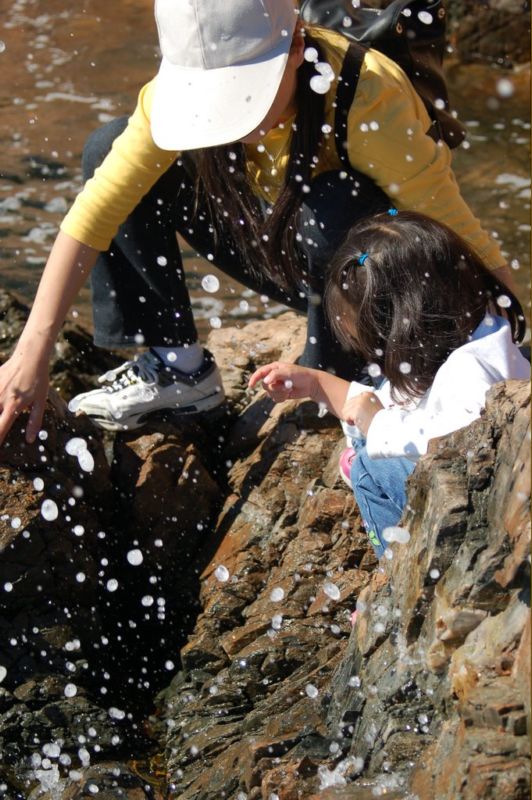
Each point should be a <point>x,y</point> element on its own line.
<point>392,212</point>
<point>362,258</point>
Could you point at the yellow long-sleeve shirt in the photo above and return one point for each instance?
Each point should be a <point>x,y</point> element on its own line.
<point>386,139</point>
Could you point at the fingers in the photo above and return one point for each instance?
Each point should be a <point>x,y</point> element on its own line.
<point>35,420</point>
<point>270,374</point>
<point>260,374</point>
<point>13,409</point>
<point>8,415</point>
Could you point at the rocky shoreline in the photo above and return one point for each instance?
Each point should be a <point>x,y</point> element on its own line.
<point>176,606</point>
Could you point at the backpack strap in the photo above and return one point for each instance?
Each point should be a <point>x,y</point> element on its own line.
<point>345,94</point>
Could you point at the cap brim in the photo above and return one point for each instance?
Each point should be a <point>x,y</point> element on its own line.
<point>195,108</point>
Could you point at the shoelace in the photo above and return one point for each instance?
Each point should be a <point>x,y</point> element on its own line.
<point>144,369</point>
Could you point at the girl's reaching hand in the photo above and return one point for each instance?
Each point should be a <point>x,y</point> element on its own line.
<point>285,381</point>
<point>361,409</point>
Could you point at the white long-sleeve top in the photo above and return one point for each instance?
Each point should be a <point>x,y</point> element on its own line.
<point>454,400</point>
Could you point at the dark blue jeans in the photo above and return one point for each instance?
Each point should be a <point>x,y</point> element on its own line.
<point>379,486</point>
<point>139,284</point>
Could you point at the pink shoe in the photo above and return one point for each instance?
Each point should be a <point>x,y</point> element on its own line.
<point>344,464</point>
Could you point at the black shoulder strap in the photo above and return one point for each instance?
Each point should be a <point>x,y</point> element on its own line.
<point>345,94</point>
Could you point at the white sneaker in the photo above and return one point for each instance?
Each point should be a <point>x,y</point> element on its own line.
<point>137,389</point>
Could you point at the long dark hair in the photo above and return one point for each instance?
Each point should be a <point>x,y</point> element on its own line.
<point>222,181</point>
<point>404,291</point>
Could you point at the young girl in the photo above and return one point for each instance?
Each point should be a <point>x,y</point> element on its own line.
<point>411,297</point>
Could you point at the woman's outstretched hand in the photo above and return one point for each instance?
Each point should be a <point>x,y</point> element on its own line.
<point>23,386</point>
<point>286,381</point>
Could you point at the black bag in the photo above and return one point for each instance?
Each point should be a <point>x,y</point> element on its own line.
<point>412,33</point>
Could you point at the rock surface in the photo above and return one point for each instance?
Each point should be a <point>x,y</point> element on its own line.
<point>495,31</point>
<point>183,627</point>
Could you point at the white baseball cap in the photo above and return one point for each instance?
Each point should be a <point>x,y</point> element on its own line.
<point>222,63</point>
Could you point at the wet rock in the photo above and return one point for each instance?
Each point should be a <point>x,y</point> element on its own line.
<point>440,626</point>
<point>498,31</point>
<point>234,530</point>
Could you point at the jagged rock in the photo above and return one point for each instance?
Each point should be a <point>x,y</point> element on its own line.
<point>431,660</point>
<point>250,543</point>
<point>497,31</point>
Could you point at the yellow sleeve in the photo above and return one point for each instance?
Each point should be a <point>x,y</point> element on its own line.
<point>387,141</point>
<point>127,173</point>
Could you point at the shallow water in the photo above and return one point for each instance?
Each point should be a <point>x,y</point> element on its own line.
<point>66,71</point>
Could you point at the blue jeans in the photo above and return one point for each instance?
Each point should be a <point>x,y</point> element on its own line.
<point>379,489</point>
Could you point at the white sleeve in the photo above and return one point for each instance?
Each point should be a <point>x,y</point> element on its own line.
<point>454,400</point>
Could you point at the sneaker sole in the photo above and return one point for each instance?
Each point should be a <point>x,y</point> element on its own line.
<point>138,420</point>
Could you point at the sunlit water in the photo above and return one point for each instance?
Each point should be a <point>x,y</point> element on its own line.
<point>66,71</point>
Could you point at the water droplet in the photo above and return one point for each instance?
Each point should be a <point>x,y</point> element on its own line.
<point>319,84</point>
<point>396,534</point>
<point>210,283</point>
<point>75,446</point>
<point>425,17</point>
<point>49,510</point>
<point>505,87</point>
<point>331,590</point>
<point>86,461</point>
<point>52,750</point>
<point>221,573</point>
<point>277,621</point>
<point>135,557</point>
<point>504,301</point>
<point>325,70</point>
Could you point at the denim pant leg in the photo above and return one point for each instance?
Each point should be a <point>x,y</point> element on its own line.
<point>138,284</point>
<point>379,489</point>
<point>138,287</point>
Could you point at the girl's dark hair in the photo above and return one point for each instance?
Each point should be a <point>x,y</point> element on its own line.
<point>222,180</point>
<point>404,291</point>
